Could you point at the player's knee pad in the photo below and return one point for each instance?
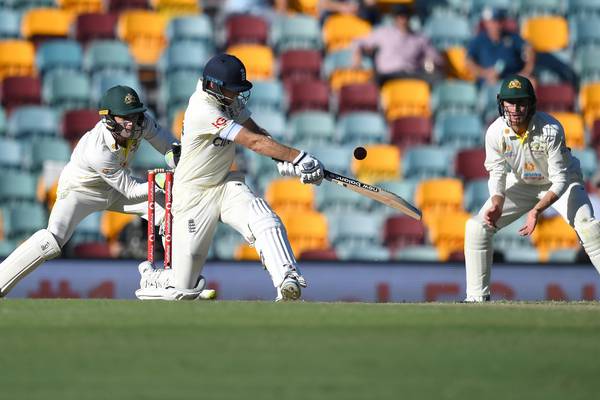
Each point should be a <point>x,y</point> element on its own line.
<point>41,246</point>
<point>477,235</point>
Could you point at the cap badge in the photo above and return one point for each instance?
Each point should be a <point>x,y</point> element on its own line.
<point>514,84</point>
<point>130,98</point>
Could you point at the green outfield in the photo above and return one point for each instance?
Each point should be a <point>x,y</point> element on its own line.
<point>92,349</point>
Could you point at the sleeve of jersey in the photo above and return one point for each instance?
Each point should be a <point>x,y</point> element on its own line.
<point>161,139</point>
<point>495,164</point>
<point>230,131</point>
<point>120,179</point>
<point>557,161</point>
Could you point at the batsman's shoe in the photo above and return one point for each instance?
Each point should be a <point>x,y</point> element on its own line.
<point>289,290</point>
<point>476,299</point>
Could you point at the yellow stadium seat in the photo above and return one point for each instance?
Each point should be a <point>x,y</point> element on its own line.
<point>81,6</point>
<point>553,233</point>
<point>589,101</point>
<point>244,252</point>
<point>144,31</point>
<point>309,7</point>
<point>546,33</point>
<point>307,230</point>
<point>341,29</point>
<point>112,223</point>
<point>349,76</point>
<point>456,61</point>
<point>258,59</point>
<point>173,8</point>
<point>436,197</point>
<point>177,125</point>
<point>574,129</point>
<point>448,233</point>
<point>17,58</point>
<point>381,164</point>
<point>405,98</point>
<point>290,194</point>
<point>46,23</point>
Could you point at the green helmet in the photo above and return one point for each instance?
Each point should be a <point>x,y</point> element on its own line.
<point>121,100</point>
<point>516,87</point>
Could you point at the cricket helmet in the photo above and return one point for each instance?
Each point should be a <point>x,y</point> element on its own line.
<point>516,88</point>
<point>124,102</point>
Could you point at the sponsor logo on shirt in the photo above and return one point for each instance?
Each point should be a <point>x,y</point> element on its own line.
<point>219,142</point>
<point>538,145</point>
<point>507,149</point>
<point>191,226</point>
<point>220,122</point>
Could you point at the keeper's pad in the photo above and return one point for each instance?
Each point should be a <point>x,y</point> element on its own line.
<point>41,246</point>
<point>589,234</point>
<point>478,258</point>
<point>271,241</point>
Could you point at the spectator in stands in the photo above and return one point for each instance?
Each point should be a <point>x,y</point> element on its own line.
<point>364,9</point>
<point>496,53</point>
<point>398,52</point>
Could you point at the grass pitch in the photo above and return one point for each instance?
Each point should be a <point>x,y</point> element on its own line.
<point>93,349</point>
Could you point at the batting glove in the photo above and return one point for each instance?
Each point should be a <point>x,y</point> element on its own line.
<point>311,169</point>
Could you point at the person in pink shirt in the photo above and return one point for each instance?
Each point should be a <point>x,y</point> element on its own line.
<point>399,52</point>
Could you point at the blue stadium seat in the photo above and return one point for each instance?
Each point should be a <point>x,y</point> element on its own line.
<point>585,31</point>
<point>66,90</point>
<point>10,24</point>
<point>336,199</point>
<point>53,149</point>
<point>371,252</point>
<point>476,194</point>
<point>88,230</point>
<point>588,160</point>
<point>427,162</point>
<point>59,55</point>
<point>108,55</point>
<point>267,95</point>
<point>17,187</point>
<point>404,188</point>
<point>24,5</point>
<point>583,8</point>
<point>521,255</point>
<point>11,153</point>
<point>342,59</point>
<point>22,220</point>
<point>421,253</point>
<point>184,56</point>
<point>272,121</point>
<point>531,8</point>
<point>2,121</point>
<point>489,106</point>
<point>175,92</point>
<point>478,5</point>
<point>363,127</point>
<point>297,32</point>
<point>312,128</point>
<point>459,130</point>
<point>226,241</point>
<point>567,256</point>
<point>508,238</point>
<point>454,96</point>
<point>32,121</point>
<point>448,30</point>
<point>195,28</point>
<point>7,247</point>
<point>147,157</point>
<point>355,229</point>
<point>587,63</point>
<point>335,157</point>
<point>104,80</point>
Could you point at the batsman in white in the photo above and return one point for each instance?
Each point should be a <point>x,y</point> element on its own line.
<point>96,178</point>
<point>205,190</point>
<point>531,169</point>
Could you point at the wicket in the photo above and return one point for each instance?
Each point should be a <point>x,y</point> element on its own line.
<point>168,216</point>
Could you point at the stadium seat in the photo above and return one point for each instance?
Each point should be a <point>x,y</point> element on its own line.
<point>508,238</point>
<point>423,253</point>
<point>246,28</point>
<point>177,124</point>
<point>244,252</point>
<point>18,187</point>
<point>552,234</point>
<point>556,97</point>
<point>174,8</point>
<point>75,123</point>
<point>476,194</point>
<point>338,68</point>
<point>540,7</point>
<point>406,132</point>
<point>546,33</point>
<point>335,199</point>
<point>312,127</point>
<point>120,6</point>
<point>24,5</point>
<point>455,97</point>
<point>405,98</point>
<point>469,164</point>
<point>310,95</point>
<point>147,157</point>
<point>315,255</point>
<point>226,241</point>
<point>23,220</point>
<point>108,55</point>
<point>39,24</point>
<point>335,157</point>
<point>49,149</point>
<point>112,223</point>
<point>340,30</point>
<point>522,255</point>
<point>359,128</point>
<point>306,230</point>
<point>456,63</point>
<point>88,230</point>
<point>298,32</point>
<point>427,162</point>
<point>258,60</point>
<point>354,229</point>
<point>59,55</point>
<point>300,65</point>
<point>272,121</point>
<point>404,188</point>
<point>437,197</point>
<point>448,233</point>
<point>289,194</point>
<point>175,92</point>
<point>7,247</point>
<point>94,26</point>
<point>382,163</point>
<point>184,56</point>
<point>447,30</point>
<point>81,6</point>
<point>93,250</point>
<point>29,121</point>
<point>586,31</point>
<point>65,91</point>
<point>360,97</point>
<point>589,101</point>
<point>583,8</point>
<point>369,252</point>
<point>573,127</point>
<point>2,121</point>
<point>104,80</point>
<point>308,7</point>
<point>566,256</point>
<point>18,91</point>
<point>144,31</point>
<point>10,24</point>
<point>588,160</point>
<point>11,153</point>
<point>195,28</point>
<point>458,130</point>
<point>267,95</point>
<point>17,58</point>
<point>401,231</point>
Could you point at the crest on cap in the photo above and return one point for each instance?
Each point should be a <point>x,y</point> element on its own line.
<point>514,84</point>
<point>129,98</point>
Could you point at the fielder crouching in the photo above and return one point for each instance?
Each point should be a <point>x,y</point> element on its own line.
<point>543,173</point>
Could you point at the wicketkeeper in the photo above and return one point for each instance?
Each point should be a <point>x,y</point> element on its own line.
<point>205,190</point>
<point>530,170</point>
<point>96,178</point>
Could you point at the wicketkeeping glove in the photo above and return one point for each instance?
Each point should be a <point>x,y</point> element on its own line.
<point>159,180</point>
<point>172,156</point>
